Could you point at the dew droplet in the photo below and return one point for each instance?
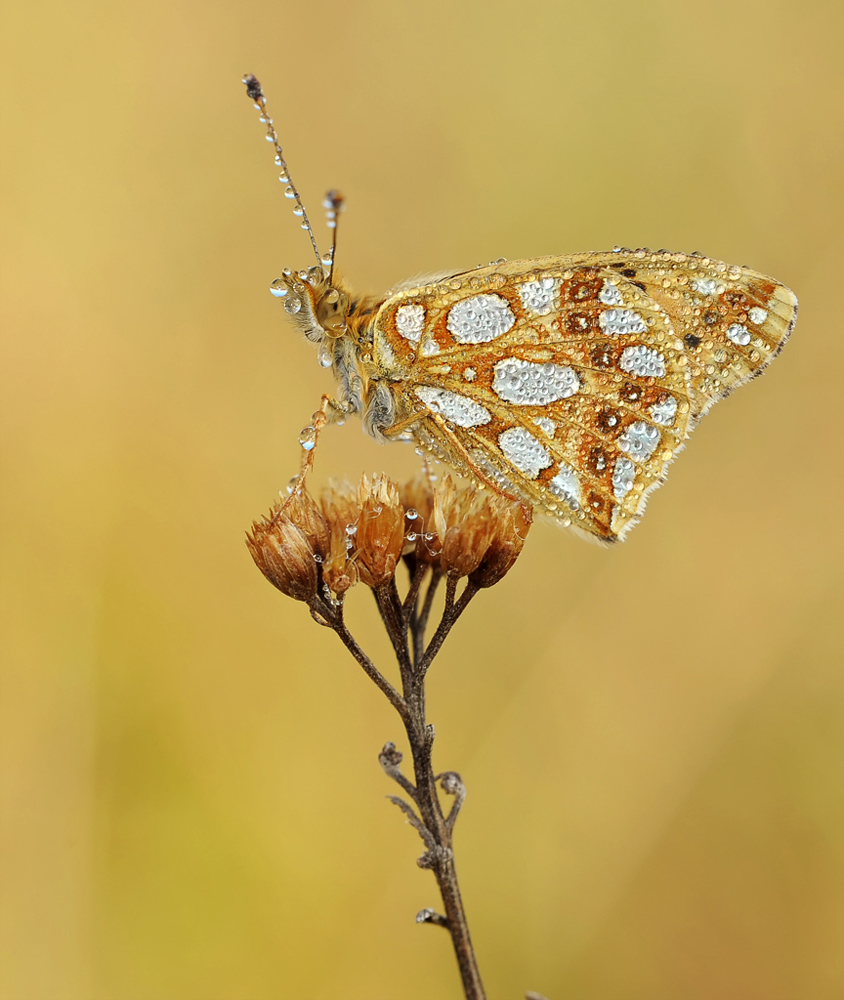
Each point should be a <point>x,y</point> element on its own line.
<point>289,192</point>
<point>351,529</point>
<point>411,536</point>
<point>411,513</point>
<point>293,304</point>
<point>324,356</point>
<point>308,437</point>
<point>317,557</point>
<point>284,177</point>
<point>298,212</point>
<point>291,486</point>
<point>279,288</point>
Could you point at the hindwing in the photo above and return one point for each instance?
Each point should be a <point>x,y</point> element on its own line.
<point>570,383</point>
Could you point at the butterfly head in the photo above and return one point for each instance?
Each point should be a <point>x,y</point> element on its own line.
<point>318,308</point>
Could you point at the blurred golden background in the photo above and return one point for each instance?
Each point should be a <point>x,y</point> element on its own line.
<point>651,736</point>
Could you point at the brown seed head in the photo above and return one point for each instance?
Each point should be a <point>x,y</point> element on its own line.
<point>510,522</point>
<point>380,534</point>
<point>284,554</point>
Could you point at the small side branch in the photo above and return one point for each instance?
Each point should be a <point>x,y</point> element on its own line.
<point>415,822</point>
<point>390,759</point>
<point>452,784</point>
<point>429,916</point>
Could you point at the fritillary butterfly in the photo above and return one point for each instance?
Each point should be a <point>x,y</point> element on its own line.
<point>568,383</point>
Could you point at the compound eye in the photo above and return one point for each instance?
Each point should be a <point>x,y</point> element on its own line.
<point>331,313</point>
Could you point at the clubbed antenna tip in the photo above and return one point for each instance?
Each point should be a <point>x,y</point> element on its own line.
<point>253,88</point>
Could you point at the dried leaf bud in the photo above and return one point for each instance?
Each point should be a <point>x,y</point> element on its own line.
<point>283,553</point>
<point>464,528</point>
<point>510,523</point>
<point>341,511</point>
<point>380,534</point>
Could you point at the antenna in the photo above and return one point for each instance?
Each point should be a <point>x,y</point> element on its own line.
<point>333,204</point>
<point>256,94</point>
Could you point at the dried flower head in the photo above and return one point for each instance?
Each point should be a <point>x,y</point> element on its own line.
<point>358,534</point>
<point>380,534</point>
<point>285,555</point>
<point>509,523</point>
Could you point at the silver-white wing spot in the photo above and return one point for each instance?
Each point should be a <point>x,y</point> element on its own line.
<point>665,411</point>
<point>479,319</point>
<point>521,449</point>
<point>539,296</point>
<point>639,440</point>
<point>757,316</point>
<point>429,347</point>
<point>533,383</point>
<point>641,360</point>
<point>620,322</point>
<point>545,424</point>
<point>610,295</point>
<point>566,485</point>
<point>705,286</point>
<point>410,321</point>
<point>454,407</point>
<point>623,475</point>
<point>739,334</point>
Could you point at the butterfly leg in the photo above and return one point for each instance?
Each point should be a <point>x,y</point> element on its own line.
<point>399,430</point>
<point>331,411</point>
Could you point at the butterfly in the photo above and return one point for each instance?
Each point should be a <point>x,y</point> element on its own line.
<point>568,383</point>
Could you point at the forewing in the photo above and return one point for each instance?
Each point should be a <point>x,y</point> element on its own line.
<point>571,382</point>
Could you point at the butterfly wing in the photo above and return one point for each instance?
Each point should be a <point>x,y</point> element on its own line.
<point>570,383</point>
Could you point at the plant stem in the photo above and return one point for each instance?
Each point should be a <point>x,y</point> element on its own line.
<point>441,862</point>
<point>405,625</point>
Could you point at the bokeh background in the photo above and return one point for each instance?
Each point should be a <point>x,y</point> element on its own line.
<point>651,736</point>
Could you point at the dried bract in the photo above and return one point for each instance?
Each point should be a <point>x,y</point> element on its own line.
<point>304,512</point>
<point>421,538</point>
<point>341,510</point>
